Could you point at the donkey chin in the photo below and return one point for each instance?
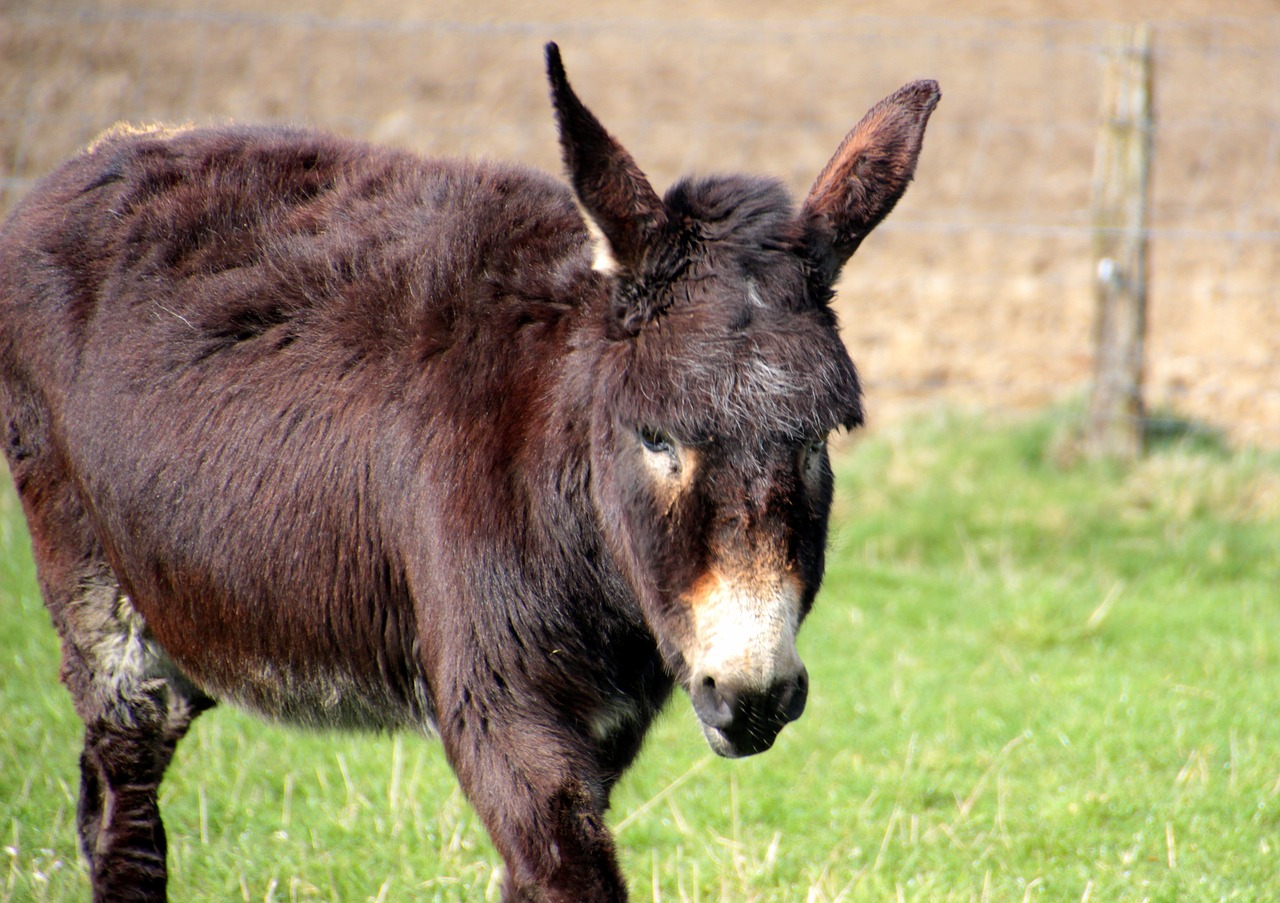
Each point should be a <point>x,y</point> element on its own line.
<point>747,678</point>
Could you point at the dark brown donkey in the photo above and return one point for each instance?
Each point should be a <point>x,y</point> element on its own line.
<point>355,439</point>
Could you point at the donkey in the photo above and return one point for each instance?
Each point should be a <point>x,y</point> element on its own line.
<point>355,439</point>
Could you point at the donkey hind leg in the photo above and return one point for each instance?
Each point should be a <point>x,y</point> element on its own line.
<point>135,707</point>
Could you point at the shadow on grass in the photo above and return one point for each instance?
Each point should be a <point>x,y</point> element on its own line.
<point>1164,430</point>
<point>1062,439</point>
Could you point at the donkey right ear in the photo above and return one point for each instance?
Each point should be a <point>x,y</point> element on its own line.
<point>868,174</point>
<point>623,212</point>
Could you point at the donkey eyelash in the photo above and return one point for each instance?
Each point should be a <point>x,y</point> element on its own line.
<point>656,441</point>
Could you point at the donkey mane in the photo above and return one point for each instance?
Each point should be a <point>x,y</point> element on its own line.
<point>752,212</point>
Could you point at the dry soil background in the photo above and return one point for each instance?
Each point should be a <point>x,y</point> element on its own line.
<point>977,291</point>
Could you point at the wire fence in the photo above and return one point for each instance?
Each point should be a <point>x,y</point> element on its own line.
<point>976,291</point>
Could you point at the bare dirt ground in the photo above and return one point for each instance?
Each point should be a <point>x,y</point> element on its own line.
<point>976,292</point>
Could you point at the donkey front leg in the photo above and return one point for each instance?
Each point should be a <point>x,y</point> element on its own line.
<point>542,799</point>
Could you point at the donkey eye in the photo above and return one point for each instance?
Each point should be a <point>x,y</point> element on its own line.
<point>812,448</point>
<point>656,441</point>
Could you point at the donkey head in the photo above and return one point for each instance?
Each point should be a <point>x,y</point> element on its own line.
<point>719,376</point>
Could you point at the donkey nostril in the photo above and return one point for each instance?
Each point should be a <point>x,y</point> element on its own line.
<point>714,707</point>
<point>795,697</point>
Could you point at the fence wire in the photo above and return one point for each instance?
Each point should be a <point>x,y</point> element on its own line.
<point>976,291</point>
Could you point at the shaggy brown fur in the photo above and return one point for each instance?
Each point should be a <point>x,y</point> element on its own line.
<point>355,439</point>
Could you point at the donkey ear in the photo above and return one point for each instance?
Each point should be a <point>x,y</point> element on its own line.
<point>623,211</point>
<point>868,174</point>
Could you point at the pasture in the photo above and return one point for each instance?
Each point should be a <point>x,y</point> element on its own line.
<point>1032,678</point>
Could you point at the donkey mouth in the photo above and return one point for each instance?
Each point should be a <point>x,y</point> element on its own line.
<point>738,744</point>
<point>741,723</point>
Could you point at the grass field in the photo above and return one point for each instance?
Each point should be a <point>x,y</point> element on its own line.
<point>1033,679</point>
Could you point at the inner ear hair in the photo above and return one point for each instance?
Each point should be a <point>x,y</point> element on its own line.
<point>618,202</point>
<point>868,174</point>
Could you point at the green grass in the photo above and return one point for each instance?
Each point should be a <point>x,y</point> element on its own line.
<point>1032,680</point>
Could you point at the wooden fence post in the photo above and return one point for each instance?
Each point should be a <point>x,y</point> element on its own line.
<point>1120,203</point>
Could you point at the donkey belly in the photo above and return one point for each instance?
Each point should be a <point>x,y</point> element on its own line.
<point>309,690</point>
<point>314,698</point>
<point>264,579</point>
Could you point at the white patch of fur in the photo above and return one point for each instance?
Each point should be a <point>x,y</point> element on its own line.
<point>663,465</point>
<point>672,472</point>
<point>610,719</point>
<point>603,259</point>
<point>745,632</point>
<point>126,663</point>
<point>130,130</point>
<point>333,700</point>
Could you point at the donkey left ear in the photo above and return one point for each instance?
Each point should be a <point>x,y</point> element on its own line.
<point>868,174</point>
<point>623,212</point>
